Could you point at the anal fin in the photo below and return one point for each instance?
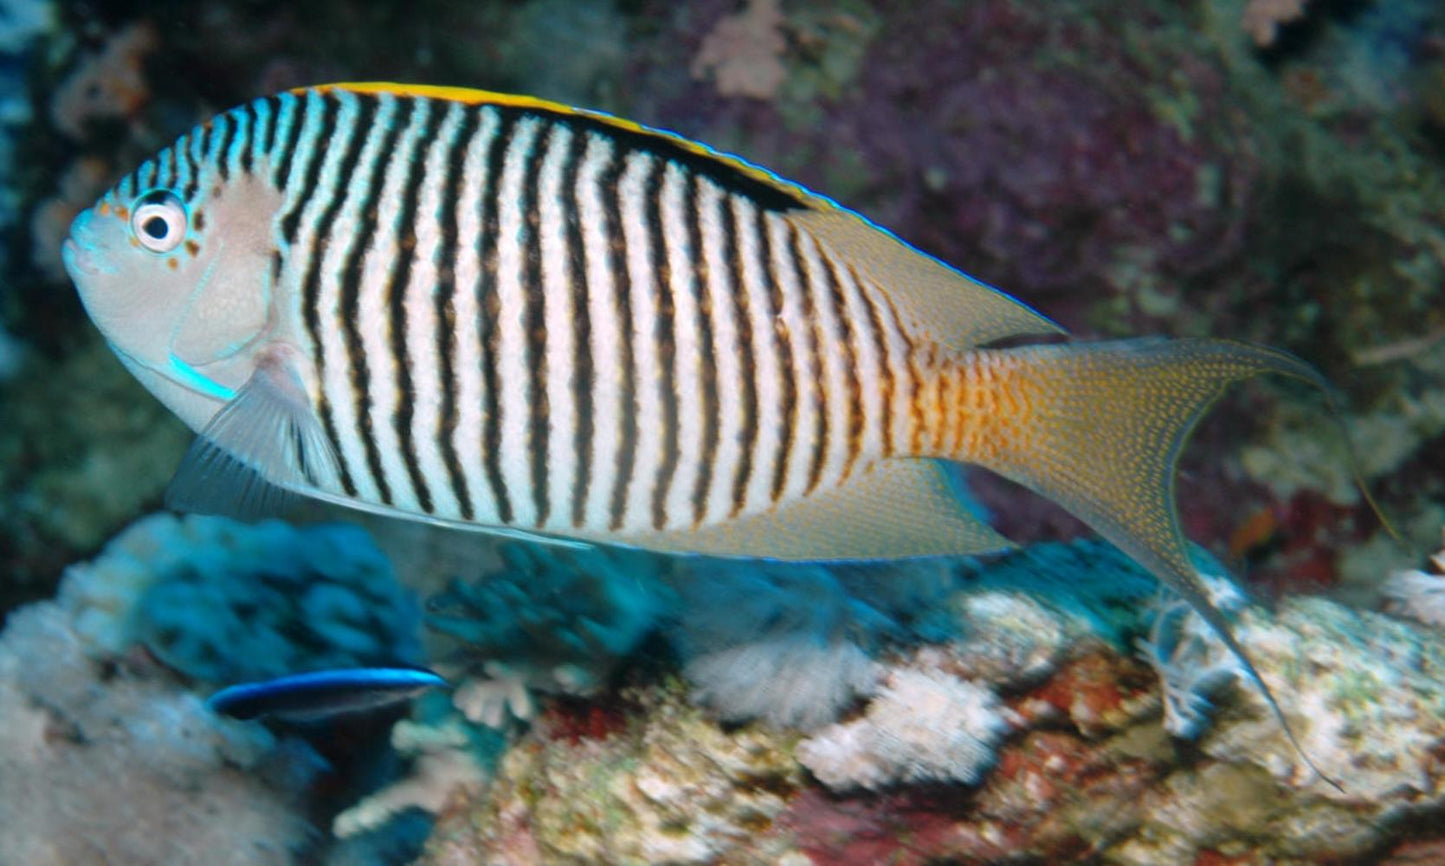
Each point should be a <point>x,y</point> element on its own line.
<point>900,507</point>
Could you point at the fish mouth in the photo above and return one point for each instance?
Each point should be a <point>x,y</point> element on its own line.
<point>79,262</point>
<point>74,259</point>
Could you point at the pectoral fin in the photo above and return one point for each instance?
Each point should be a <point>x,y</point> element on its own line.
<point>263,447</point>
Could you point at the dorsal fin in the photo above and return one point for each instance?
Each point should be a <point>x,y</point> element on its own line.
<point>936,301</point>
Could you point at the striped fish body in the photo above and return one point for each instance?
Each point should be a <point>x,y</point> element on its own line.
<point>509,313</point>
<point>498,312</point>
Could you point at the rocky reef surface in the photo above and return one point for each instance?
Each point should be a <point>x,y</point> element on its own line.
<point>1046,705</point>
<point>1036,735</point>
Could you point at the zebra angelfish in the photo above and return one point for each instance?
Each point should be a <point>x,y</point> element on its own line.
<point>503,313</point>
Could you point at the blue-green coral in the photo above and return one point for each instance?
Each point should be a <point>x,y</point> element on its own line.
<point>225,602</point>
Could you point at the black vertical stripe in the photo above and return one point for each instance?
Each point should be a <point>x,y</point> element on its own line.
<point>490,304</point>
<point>874,322</point>
<point>446,310</point>
<point>354,135</point>
<point>396,288</point>
<point>626,457</point>
<point>711,420</point>
<point>195,158</point>
<point>915,380</point>
<point>534,321</point>
<point>250,136</point>
<point>193,168</point>
<point>223,134</point>
<point>166,175</point>
<point>582,371</point>
<point>268,141</point>
<point>816,372</point>
<point>285,154</point>
<point>665,341</point>
<point>855,390</point>
<point>351,277</point>
<point>746,356</point>
<point>783,341</point>
<point>915,383</point>
<point>326,130</point>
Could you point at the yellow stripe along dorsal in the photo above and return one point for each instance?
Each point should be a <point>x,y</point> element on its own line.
<point>803,197</point>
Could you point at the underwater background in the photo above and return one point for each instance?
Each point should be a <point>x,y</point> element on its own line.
<point>1265,170</point>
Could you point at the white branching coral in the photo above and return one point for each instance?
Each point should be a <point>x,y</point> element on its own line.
<point>436,778</point>
<point>792,681</point>
<point>1192,662</point>
<point>1419,595</point>
<point>493,696</point>
<point>922,726</point>
<point>552,620</point>
<point>786,642</point>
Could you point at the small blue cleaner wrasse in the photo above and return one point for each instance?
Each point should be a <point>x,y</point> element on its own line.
<point>506,314</point>
<point>322,694</point>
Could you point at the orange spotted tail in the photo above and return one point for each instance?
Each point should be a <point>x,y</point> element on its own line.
<point>1098,428</point>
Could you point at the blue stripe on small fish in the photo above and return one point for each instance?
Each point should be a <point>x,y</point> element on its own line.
<point>319,694</point>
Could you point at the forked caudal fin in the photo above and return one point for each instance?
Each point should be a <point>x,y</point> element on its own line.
<point>1098,428</point>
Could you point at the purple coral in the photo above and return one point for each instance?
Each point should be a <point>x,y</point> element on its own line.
<point>1015,141</point>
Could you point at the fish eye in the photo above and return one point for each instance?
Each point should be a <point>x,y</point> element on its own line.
<point>159,220</point>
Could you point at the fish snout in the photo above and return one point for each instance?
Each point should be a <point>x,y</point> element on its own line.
<point>77,263</point>
<point>83,252</point>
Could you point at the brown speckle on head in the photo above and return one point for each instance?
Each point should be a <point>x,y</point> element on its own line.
<point>103,209</point>
<point>122,211</point>
<point>193,248</point>
<point>171,263</point>
<point>198,220</point>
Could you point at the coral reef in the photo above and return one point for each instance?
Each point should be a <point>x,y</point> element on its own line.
<point>109,84</point>
<point>1063,761</point>
<point>921,726</point>
<point>22,23</point>
<point>224,602</point>
<point>1192,662</point>
<point>218,602</point>
<point>782,642</point>
<point>1417,595</point>
<point>447,764</point>
<point>550,619</point>
<point>666,785</point>
<point>106,760</point>
<point>1262,19</point>
<point>742,52</point>
<point>83,451</point>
